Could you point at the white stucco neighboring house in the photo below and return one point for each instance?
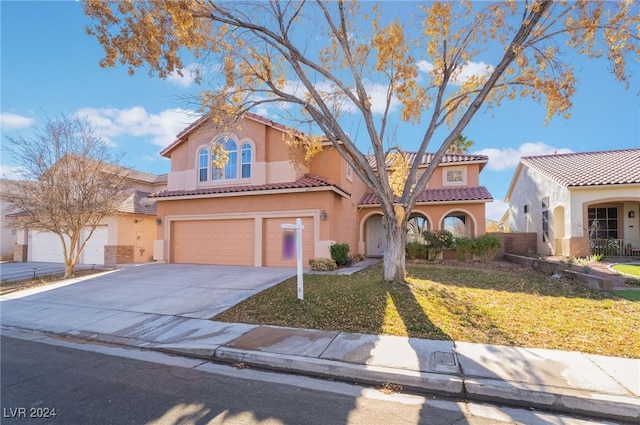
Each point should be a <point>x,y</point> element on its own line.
<point>579,203</point>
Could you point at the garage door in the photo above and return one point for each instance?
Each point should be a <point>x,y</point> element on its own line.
<point>228,242</point>
<point>93,252</point>
<point>46,246</point>
<point>272,250</point>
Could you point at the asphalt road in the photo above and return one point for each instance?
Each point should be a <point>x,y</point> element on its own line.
<point>50,384</point>
<point>62,382</point>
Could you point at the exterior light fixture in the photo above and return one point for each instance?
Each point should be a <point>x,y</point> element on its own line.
<point>323,215</point>
<point>158,221</point>
<point>632,214</point>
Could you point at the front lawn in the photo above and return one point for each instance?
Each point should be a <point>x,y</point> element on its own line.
<point>510,306</point>
<point>630,269</point>
<point>630,294</point>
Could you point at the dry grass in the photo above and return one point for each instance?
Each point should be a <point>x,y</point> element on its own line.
<point>519,307</point>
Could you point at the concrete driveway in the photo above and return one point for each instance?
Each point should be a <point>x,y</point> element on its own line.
<point>18,271</point>
<point>185,290</point>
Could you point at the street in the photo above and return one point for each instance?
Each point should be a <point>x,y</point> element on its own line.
<point>57,384</point>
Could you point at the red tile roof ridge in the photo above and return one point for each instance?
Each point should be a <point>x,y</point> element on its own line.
<point>443,194</point>
<point>306,181</point>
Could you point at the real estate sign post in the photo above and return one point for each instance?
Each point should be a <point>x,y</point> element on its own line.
<point>298,228</point>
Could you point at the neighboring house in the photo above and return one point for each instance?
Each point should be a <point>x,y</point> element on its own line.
<point>8,237</point>
<point>234,216</point>
<point>125,238</point>
<point>579,203</point>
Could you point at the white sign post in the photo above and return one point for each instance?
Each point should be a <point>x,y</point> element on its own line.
<point>298,228</point>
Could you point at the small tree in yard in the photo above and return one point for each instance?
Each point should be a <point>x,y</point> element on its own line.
<point>71,182</point>
<point>379,65</point>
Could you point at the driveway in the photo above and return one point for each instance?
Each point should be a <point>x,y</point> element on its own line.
<point>19,271</point>
<point>184,290</point>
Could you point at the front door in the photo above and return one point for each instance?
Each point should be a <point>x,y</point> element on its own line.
<point>376,242</point>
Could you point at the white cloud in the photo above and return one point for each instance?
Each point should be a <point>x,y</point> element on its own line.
<point>425,66</point>
<point>136,121</point>
<point>10,172</point>
<point>188,77</point>
<point>496,209</point>
<point>467,71</point>
<point>508,158</point>
<point>9,121</point>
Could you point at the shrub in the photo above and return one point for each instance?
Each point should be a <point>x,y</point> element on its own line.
<point>436,242</point>
<point>486,247</point>
<point>464,248</point>
<point>358,257</point>
<point>416,250</point>
<point>571,261</point>
<point>340,253</point>
<point>322,264</point>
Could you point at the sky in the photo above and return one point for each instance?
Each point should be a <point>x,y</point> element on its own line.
<point>49,66</point>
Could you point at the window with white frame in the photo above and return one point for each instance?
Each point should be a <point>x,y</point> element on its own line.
<point>238,165</point>
<point>246,161</point>
<point>454,176</point>
<point>203,165</point>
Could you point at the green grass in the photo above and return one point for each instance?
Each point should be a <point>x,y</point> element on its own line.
<point>630,294</point>
<point>630,269</point>
<point>519,307</point>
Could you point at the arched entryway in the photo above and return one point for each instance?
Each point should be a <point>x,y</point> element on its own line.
<point>416,225</point>
<point>459,223</point>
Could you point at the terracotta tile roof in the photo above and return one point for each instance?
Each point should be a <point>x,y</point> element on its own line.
<point>450,159</point>
<point>206,117</point>
<point>304,182</point>
<point>449,194</point>
<point>589,168</point>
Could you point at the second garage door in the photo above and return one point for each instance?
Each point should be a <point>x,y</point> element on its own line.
<point>272,251</point>
<point>227,242</point>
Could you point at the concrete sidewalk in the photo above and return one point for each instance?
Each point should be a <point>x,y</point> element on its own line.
<point>573,382</point>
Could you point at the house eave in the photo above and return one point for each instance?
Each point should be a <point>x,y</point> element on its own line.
<point>161,198</point>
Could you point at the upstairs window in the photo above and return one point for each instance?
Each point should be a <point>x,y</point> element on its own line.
<point>454,176</point>
<point>238,164</point>
<point>230,170</point>
<point>203,165</point>
<point>246,161</point>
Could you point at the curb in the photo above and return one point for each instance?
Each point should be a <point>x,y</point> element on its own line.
<point>515,394</point>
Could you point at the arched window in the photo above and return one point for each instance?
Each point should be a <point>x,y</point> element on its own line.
<point>246,161</point>
<point>230,170</point>
<point>203,165</point>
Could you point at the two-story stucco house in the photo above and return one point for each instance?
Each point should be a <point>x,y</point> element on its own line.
<point>234,215</point>
<point>579,203</point>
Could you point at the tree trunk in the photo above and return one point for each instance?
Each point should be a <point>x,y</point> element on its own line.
<point>394,254</point>
<point>69,270</point>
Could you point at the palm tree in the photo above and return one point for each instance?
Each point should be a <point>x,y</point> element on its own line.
<point>460,145</point>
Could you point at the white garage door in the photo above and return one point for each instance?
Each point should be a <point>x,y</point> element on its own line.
<point>93,252</point>
<point>46,247</point>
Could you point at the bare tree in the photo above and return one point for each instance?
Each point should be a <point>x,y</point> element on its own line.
<point>71,182</point>
<point>322,61</point>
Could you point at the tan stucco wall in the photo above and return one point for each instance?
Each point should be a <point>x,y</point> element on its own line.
<point>140,235</point>
<point>339,225</point>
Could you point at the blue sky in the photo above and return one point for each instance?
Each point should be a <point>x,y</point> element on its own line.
<point>50,66</point>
